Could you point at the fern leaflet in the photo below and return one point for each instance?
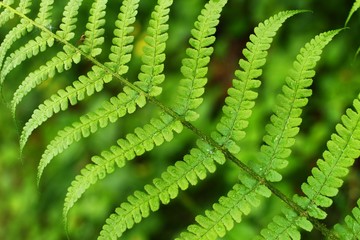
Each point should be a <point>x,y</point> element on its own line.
<point>95,31</point>
<point>194,67</point>
<point>350,230</point>
<point>354,8</point>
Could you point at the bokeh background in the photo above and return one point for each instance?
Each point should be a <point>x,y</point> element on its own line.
<point>31,212</point>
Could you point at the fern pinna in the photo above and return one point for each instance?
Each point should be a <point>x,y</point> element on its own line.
<point>256,180</point>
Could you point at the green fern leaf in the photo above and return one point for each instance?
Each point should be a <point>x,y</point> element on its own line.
<point>32,48</point>
<point>86,85</point>
<point>194,67</point>
<point>21,29</point>
<point>153,58</point>
<point>125,102</point>
<point>231,129</point>
<point>6,15</point>
<point>229,209</point>
<point>122,42</point>
<point>69,19</point>
<point>354,8</point>
<point>194,167</point>
<point>241,99</point>
<point>59,63</point>
<point>343,148</point>
<point>94,33</point>
<point>350,230</point>
<point>110,111</point>
<point>63,60</point>
<point>135,144</point>
<point>280,133</point>
<point>286,119</point>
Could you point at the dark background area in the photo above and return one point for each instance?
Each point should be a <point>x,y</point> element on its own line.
<point>31,212</point>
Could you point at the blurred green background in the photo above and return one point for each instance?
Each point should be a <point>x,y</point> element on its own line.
<point>31,212</point>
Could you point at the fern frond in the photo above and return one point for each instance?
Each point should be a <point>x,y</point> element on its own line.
<point>286,119</point>
<point>117,107</point>
<point>153,133</point>
<point>111,111</point>
<point>32,48</point>
<point>59,63</point>
<point>229,209</point>
<point>242,95</point>
<point>95,31</point>
<point>220,219</point>
<point>134,144</point>
<point>230,131</point>
<point>68,22</point>
<point>6,15</point>
<point>122,42</point>
<point>153,58</point>
<point>354,8</point>
<point>63,60</point>
<point>15,33</point>
<point>351,228</point>
<point>85,85</point>
<point>343,148</point>
<point>193,167</point>
<point>194,66</point>
<point>40,43</point>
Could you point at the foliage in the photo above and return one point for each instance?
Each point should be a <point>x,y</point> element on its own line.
<point>107,99</point>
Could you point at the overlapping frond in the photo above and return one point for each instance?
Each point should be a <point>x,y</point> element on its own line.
<point>85,85</point>
<point>242,94</point>
<point>126,101</point>
<point>110,111</point>
<point>228,210</point>
<point>350,229</point>
<point>62,61</point>
<point>134,144</point>
<point>33,47</point>
<point>326,178</point>
<point>230,131</point>
<point>15,33</point>
<point>193,168</point>
<point>153,133</point>
<point>5,14</point>
<point>194,66</point>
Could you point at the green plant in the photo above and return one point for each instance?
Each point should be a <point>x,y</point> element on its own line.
<point>256,179</point>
